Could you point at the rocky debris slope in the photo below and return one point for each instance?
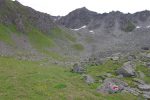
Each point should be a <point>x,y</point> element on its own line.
<point>130,77</point>
<point>109,32</point>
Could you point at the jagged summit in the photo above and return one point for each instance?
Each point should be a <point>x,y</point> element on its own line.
<point>77,18</point>
<point>107,21</point>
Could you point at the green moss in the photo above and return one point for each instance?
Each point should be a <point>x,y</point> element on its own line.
<point>40,40</point>
<point>107,67</point>
<point>43,43</point>
<point>78,47</point>
<point>60,86</point>
<point>129,27</point>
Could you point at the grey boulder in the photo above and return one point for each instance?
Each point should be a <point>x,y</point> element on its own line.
<point>88,79</point>
<point>146,95</point>
<point>78,68</point>
<point>144,87</point>
<point>127,70</point>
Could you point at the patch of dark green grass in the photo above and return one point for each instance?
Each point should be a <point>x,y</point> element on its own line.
<point>78,47</point>
<point>60,86</point>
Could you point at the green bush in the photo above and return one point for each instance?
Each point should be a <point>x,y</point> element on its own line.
<point>129,27</point>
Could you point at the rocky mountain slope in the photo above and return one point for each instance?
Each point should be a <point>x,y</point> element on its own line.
<point>29,34</point>
<point>81,33</point>
<point>114,31</point>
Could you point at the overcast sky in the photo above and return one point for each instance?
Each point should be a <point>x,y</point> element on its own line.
<point>63,7</point>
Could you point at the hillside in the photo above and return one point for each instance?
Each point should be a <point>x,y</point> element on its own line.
<point>32,35</point>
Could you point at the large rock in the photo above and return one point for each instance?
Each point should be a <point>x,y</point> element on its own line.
<point>78,68</point>
<point>112,85</point>
<point>115,58</point>
<point>148,64</point>
<point>144,87</point>
<point>88,79</point>
<point>131,57</point>
<point>148,55</point>
<point>146,95</point>
<point>127,70</point>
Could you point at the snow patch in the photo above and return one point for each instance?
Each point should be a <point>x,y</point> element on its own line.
<point>80,28</point>
<point>92,32</point>
<point>148,26</point>
<point>137,27</point>
<point>58,18</point>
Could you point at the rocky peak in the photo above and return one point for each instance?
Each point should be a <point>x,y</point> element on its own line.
<point>77,18</point>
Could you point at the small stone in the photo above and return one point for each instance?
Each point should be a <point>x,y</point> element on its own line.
<point>131,57</point>
<point>141,75</point>
<point>78,69</point>
<point>115,58</point>
<point>108,75</point>
<point>88,79</point>
<point>120,76</point>
<point>100,81</point>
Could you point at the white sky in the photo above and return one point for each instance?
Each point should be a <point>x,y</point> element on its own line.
<point>63,7</point>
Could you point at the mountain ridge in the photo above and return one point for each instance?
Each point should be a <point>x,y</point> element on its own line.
<point>93,19</point>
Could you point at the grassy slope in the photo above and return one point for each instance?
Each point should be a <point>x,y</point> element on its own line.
<point>5,33</point>
<point>43,42</point>
<point>32,81</point>
<point>22,80</point>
